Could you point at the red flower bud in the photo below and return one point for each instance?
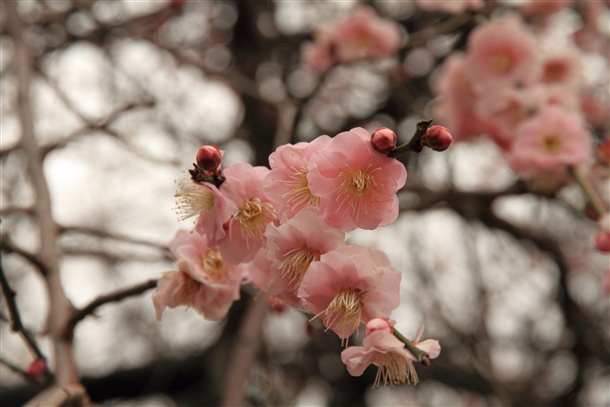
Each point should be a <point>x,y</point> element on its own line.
<point>383,140</point>
<point>602,241</point>
<point>276,305</point>
<point>437,138</point>
<point>209,158</point>
<point>37,367</point>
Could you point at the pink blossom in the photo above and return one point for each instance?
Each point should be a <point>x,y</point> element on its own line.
<point>318,55</point>
<point>502,51</point>
<point>205,202</point>
<point>363,34</point>
<point>544,8</point>
<point>384,350</point>
<point>204,281</point>
<point>286,185</point>
<point>450,6</point>
<point>357,185</point>
<point>549,141</point>
<point>561,68</point>
<point>244,187</point>
<point>457,96</point>
<point>350,286</point>
<point>378,324</point>
<point>293,246</point>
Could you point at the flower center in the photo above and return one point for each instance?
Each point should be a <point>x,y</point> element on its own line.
<point>395,369</point>
<point>356,188</point>
<point>253,218</point>
<point>343,313</point>
<point>193,199</point>
<point>296,264</point>
<point>213,265</point>
<point>501,62</point>
<point>551,143</point>
<point>554,72</point>
<point>299,194</point>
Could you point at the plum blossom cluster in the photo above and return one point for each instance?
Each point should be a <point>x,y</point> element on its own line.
<point>527,96</point>
<point>361,35</point>
<point>283,230</point>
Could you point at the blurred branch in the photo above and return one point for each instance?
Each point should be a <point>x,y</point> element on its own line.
<point>72,394</point>
<point>60,306</point>
<point>114,236</point>
<point>7,210</point>
<point>244,353</point>
<point>115,296</point>
<point>17,324</point>
<point>17,370</point>
<point>9,247</point>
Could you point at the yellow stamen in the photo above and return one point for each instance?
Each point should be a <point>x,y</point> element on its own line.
<point>356,189</point>
<point>193,199</point>
<point>551,143</point>
<point>213,265</point>
<point>296,264</point>
<point>344,311</point>
<point>395,369</point>
<point>253,218</point>
<point>299,194</point>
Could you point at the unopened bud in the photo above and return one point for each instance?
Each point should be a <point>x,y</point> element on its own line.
<point>209,158</point>
<point>602,241</point>
<point>378,324</point>
<point>384,140</point>
<point>602,152</point>
<point>437,138</point>
<point>37,367</point>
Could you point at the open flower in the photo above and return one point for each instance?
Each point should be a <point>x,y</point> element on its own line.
<point>549,141</point>
<point>384,350</point>
<point>357,185</point>
<point>286,185</point>
<point>294,246</point>
<point>203,280</point>
<point>253,211</point>
<point>502,52</point>
<point>348,286</point>
<point>204,202</point>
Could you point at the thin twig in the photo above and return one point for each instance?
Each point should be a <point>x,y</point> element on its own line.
<point>9,247</point>
<point>17,324</point>
<point>115,296</point>
<point>17,370</point>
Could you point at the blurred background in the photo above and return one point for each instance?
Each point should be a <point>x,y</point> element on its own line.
<point>119,95</point>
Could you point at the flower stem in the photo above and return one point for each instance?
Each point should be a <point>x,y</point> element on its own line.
<point>588,190</point>
<point>415,143</point>
<point>419,354</point>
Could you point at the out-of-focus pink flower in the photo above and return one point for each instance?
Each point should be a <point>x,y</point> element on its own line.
<point>501,52</point>
<point>561,68</point>
<point>384,350</point>
<point>437,138</point>
<point>318,55</point>
<point>205,202</point>
<point>549,142</point>
<point>364,35</point>
<point>384,140</point>
<point>286,186</point>
<point>595,106</point>
<point>449,6</point>
<point>350,286</point>
<point>293,246</point>
<point>209,158</point>
<point>455,106</point>
<point>204,280</point>
<point>430,346</point>
<point>544,8</point>
<point>357,185</point>
<point>244,186</point>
